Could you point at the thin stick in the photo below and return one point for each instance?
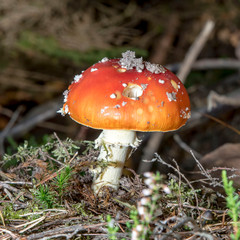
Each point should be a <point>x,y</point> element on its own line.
<point>2,230</point>
<point>16,183</point>
<point>60,142</point>
<point>159,159</point>
<point>222,123</point>
<point>56,173</point>
<point>2,218</point>
<point>194,50</point>
<point>7,129</point>
<point>65,230</point>
<point>184,146</point>
<point>34,223</point>
<point>206,64</point>
<point>38,114</point>
<point>194,207</point>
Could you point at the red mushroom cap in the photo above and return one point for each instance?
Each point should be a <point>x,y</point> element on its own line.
<point>128,94</point>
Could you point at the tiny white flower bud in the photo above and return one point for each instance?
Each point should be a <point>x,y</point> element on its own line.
<point>141,210</point>
<point>144,201</point>
<point>148,174</point>
<point>139,228</point>
<point>166,189</point>
<point>147,192</point>
<point>149,181</point>
<point>135,234</point>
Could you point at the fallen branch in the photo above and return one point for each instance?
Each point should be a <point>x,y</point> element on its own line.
<point>194,50</point>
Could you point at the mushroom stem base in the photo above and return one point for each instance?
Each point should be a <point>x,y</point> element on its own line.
<point>115,147</point>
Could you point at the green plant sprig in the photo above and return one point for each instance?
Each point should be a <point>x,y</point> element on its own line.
<point>233,204</point>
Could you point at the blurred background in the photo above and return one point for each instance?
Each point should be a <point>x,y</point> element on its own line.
<point>44,44</point>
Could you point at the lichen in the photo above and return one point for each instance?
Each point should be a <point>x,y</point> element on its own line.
<point>154,68</point>
<point>104,60</point>
<point>66,109</point>
<point>161,81</point>
<point>65,94</point>
<point>113,95</point>
<point>144,86</point>
<point>93,69</point>
<point>61,111</point>
<point>185,114</point>
<point>129,61</point>
<point>171,96</point>
<point>77,78</point>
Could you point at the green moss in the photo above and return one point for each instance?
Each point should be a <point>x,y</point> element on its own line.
<point>81,209</point>
<point>9,213</point>
<point>187,194</point>
<point>56,149</point>
<point>50,47</point>
<point>45,197</point>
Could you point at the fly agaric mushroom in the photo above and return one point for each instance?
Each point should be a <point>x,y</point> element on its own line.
<point>122,96</point>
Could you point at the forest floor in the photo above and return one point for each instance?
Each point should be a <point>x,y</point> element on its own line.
<point>45,177</point>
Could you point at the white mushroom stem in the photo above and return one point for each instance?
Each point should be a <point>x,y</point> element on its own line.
<point>115,147</point>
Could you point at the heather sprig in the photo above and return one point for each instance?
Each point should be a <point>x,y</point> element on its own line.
<point>233,204</point>
<point>147,205</point>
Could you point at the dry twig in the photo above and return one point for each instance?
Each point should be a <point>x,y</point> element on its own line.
<point>194,50</point>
